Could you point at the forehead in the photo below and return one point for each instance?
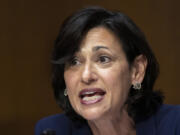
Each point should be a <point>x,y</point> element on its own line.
<point>100,37</point>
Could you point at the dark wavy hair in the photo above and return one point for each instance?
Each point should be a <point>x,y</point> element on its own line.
<point>142,103</point>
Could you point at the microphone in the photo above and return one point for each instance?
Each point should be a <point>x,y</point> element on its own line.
<point>48,132</point>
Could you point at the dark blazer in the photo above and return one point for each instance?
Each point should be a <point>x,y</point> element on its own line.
<point>165,122</point>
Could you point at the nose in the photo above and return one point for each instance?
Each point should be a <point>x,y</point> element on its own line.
<point>88,74</point>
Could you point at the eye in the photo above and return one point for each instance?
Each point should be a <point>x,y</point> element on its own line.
<point>104,59</point>
<point>74,61</point>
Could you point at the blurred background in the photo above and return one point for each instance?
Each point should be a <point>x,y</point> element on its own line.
<point>28,29</point>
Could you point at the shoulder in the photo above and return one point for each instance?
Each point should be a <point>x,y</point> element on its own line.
<point>167,119</point>
<point>59,123</point>
<point>168,112</point>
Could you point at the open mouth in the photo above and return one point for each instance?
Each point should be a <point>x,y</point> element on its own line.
<point>91,96</point>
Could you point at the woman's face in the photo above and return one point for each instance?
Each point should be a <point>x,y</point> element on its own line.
<point>98,78</point>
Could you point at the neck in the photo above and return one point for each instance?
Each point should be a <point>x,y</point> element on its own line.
<point>120,124</point>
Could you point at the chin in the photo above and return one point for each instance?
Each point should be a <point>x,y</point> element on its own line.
<point>92,113</point>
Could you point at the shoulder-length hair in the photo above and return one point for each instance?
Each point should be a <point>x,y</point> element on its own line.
<point>142,103</point>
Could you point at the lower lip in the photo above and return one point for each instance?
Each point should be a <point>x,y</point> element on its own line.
<point>92,101</point>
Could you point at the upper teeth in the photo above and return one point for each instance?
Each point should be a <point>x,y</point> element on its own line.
<point>89,92</point>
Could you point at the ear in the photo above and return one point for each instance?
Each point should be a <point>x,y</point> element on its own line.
<point>138,69</point>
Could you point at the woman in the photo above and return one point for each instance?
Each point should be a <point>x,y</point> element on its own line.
<point>103,77</point>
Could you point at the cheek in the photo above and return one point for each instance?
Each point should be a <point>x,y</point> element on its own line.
<point>118,76</point>
<point>71,85</point>
<point>70,79</point>
<point>71,82</point>
<point>117,82</point>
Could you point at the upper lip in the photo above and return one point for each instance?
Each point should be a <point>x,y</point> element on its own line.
<point>88,90</point>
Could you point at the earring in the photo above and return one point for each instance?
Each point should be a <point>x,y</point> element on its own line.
<point>65,92</point>
<point>137,86</point>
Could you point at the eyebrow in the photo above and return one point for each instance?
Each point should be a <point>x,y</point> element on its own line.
<point>96,48</point>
